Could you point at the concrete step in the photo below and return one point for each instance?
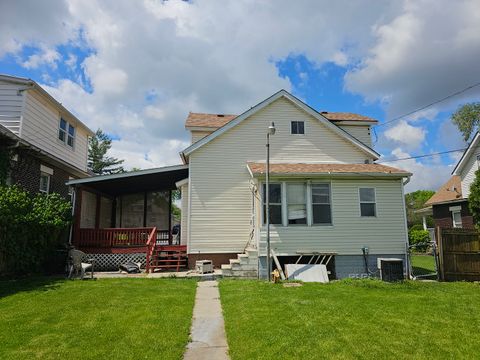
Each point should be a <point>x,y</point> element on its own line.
<point>226,267</point>
<point>234,261</point>
<point>244,273</point>
<point>244,266</point>
<point>252,252</point>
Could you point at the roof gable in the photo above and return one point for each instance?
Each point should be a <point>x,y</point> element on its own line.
<point>466,154</point>
<point>450,191</point>
<point>297,102</point>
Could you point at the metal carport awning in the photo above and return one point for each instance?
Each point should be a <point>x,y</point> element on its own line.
<point>155,179</point>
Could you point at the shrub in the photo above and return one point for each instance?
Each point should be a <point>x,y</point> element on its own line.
<point>420,238</point>
<point>31,228</point>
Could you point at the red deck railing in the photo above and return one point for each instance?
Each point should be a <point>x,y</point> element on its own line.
<point>120,237</point>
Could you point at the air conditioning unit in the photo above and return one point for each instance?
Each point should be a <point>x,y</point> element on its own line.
<point>391,269</point>
<point>204,266</point>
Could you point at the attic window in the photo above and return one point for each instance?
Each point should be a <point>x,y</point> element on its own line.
<point>298,127</point>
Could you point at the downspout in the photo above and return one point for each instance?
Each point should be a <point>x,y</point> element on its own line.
<point>407,245</point>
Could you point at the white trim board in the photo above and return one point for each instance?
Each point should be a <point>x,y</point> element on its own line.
<point>285,94</point>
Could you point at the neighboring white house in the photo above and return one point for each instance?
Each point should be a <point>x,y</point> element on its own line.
<point>327,194</point>
<point>52,143</point>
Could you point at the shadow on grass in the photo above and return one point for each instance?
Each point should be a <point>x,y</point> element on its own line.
<point>38,283</point>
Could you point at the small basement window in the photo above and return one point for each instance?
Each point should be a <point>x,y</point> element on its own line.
<point>298,127</point>
<point>367,202</point>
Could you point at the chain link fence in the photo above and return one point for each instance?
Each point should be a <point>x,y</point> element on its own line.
<point>423,261</point>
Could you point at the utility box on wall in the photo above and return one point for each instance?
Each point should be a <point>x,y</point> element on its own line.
<point>391,269</point>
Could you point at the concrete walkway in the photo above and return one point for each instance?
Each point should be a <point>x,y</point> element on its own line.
<point>208,340</point>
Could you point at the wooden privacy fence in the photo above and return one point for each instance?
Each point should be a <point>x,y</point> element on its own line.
<point>459,254</point>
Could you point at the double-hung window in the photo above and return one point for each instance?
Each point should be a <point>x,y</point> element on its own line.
<point>321,204</point>
<point>62,130</point>
<point>457,218</point>
<point>66,132</point>
<point>44,183</point>
<point>297,127</point>
<point>275,203</point>
<point>71,135</point>
<point>296,203</point>
<point>368,206</point>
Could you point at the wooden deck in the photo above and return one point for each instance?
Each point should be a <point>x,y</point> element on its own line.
<point>158,245</point>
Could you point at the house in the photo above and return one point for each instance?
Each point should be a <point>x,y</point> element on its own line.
<point>327,194</point>
<point>48,144</point>
<point>449,205</point>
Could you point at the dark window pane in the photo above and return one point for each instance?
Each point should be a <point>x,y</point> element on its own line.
<point>294,127</point>
<point>275,214</point>
<point>367,194</point>
<point>71,130</point>
<point>297,221</point>
<point>61,135</point>
<point>301,127</point>
<point>322,214</point>
<point>367,209</point>
<point>275,193</point>
<point>63,124</point>
<point>321,193</point>
<point>70,141</point>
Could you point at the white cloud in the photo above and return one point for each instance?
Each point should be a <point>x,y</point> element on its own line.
<point>425,176</point>
<point>198,56</point>
<point>403,133</point>
<point>430,50</point>
<point>47,56</point>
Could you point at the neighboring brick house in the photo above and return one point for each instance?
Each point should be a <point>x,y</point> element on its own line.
<point>449,205</point>
<point>47,144</point>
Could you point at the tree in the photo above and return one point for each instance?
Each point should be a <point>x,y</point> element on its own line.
<point>467,119</point>
<point>98,161</point>
<point>414,201</point>
<point>474,199</point>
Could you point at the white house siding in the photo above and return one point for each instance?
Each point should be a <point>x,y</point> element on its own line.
<point>10,106</point>
<point>220,195</point>
<point>383,234</point>
<point>184,215</point>
<point>198,135</point>
<point>468,173</point>
<point>360,132</point>
<point>40,127</point>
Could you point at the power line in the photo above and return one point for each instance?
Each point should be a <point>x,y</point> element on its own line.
<point>422,156</point>
<point>431,104</point>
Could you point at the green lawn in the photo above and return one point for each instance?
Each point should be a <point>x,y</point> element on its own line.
<point>102,319</point>
<point>423,264</point>
<point>362,319</point>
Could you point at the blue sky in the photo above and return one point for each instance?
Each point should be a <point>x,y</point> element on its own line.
<point>136,70</point>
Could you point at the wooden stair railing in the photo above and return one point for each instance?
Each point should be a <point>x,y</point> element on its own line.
<point>151,244</point>
<point>170,257</point>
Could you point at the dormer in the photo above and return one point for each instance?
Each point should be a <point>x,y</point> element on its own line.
<point>201,125</point>
<point>359,126</point>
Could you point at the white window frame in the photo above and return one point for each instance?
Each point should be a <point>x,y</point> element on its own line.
<point>70,126</point>
<point>282,202</point>
<point>305,184</point>
<point>360,202</point>
<point>455,225</point>
<point>47,176</point>
<point>66,133</point>
<point>330,203</point>
<point>297,121</point>
<point>62,131</point>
